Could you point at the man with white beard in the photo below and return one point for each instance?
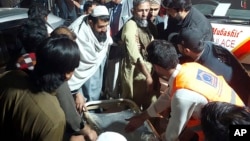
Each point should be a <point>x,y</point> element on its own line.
<point>136,83</point>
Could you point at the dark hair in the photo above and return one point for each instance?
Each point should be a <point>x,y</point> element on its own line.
<point>38,10</point>
<point>162,53</point>
<point>104,18</point>
<point>99,2</point>
<point>55,57</point>
<point>32,33</point>
<point>191,38</point>
<point>4,54</point>
<point>178,5</point>
<point>88,4</point>
<point>63,31</point>
<point>216,118</point>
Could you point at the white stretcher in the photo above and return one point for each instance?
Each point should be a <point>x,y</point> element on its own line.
<point>111,116</point>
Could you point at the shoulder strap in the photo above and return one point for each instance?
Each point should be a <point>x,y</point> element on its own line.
<point>118,36</point>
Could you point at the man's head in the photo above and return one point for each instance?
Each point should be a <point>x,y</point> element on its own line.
<point>32,33</point>
<point>56,59</point>
<point>217,117</point>
<point>177,9</point>
<point>140,12</point>
<point>99,21</point>
<point>111,136</point>
<point>163,54</point>
<point>38,10</point>
<point>102,2</point>
<point>89,6</point>
<point>190,42</point>
<point>155,6</point>
<point>63,31</point>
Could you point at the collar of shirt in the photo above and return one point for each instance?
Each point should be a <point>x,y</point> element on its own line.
<point>207,47</point>
<point>188,17</point>
<point>198,58</point>
<point>174,74</point>
<point>171,79</point>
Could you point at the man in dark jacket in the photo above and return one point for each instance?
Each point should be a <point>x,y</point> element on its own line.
<point>181,15</point>
<point>217,58</point>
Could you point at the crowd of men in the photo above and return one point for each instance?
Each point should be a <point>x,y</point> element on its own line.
<point>121,49</point>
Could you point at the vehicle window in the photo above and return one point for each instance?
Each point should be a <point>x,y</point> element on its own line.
<point>9,46</point>
<point>235,4</point>
<point>239,9</point>
<point>4,55</point>
<point>232,30</point>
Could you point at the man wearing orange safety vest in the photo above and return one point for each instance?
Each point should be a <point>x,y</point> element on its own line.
<point>191,86</point>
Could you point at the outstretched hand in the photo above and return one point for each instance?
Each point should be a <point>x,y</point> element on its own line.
<point>136,121</point>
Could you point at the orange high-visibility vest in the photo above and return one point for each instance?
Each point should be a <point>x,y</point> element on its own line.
<point>200,79</point>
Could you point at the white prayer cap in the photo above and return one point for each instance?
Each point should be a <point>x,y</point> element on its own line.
<point>155,2</point>
<point>100,10</point>
<point>111,136</point>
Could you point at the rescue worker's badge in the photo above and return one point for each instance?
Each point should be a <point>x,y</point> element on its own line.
<point>207,78</point>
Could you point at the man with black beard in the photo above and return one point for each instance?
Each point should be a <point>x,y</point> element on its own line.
<point>93,39</point>
<point>136,83</point>
<point>182,15</point>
